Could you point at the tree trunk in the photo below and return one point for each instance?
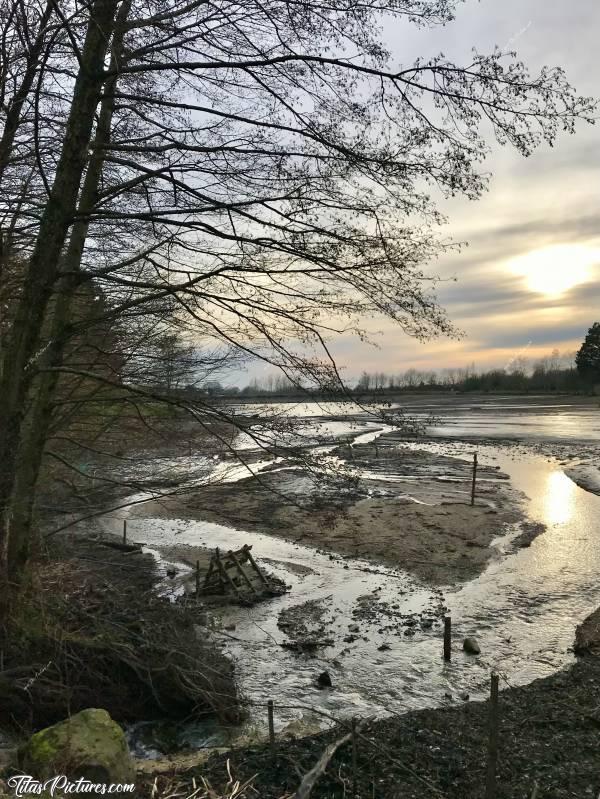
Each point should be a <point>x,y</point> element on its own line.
<point>42,270</point>
<point>39,416</point>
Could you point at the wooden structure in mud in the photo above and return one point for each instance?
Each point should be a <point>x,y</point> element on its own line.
<point>236,573</point>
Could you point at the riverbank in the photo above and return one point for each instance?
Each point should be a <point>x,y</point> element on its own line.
<point>89,630</point>
<point>548,734</point>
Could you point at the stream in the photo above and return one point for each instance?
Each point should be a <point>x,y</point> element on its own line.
<point>523,609</point>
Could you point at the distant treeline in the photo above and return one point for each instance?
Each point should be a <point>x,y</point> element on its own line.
<point>554,373</point>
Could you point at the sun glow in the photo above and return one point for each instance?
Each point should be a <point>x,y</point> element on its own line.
<point>559,498</point>
<point>555,270</point>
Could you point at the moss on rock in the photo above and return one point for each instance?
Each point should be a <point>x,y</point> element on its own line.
<point>89,744</point>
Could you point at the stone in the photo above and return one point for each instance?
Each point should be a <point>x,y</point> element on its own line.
<point>353,628</point>
<point>324,680</point>
<point>384,647</point>
<point>89,745</point>
<point>7,757</point>
<point>471,646</point>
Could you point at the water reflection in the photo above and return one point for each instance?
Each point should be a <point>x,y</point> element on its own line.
<point>558,499</point>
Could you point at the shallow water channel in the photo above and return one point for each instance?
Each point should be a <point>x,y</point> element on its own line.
<point>523,609</point>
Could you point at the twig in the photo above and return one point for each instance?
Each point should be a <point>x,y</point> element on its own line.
<point>311,777</point>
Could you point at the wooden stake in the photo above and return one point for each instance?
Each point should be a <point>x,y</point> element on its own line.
<point>271,726</point>
<point>124,531</point>
<point>225,576</point>
<point>246,549</point>
<point>536,788</point>
<point>354,758</point>
<point>447,637</point>
<point>492,758</point>
<point>241,572</point>
<point>197,578</point>
<point>474,483</point>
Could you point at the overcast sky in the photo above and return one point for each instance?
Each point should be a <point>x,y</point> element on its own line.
<point>509,307</point>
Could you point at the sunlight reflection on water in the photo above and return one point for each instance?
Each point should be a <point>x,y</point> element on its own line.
<point>558,499</point>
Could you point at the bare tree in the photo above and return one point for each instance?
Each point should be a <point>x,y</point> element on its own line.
<point>260,169</point>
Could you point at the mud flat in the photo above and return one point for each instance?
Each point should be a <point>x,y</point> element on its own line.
<point>586,476</point>
<point>406,509</point>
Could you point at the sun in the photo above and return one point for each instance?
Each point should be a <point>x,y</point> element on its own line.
<point>555,270</point>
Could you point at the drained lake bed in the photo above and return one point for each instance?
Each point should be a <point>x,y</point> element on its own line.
<point>359,606</point>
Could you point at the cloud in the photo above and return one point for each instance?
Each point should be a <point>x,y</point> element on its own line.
<point>551,198</point>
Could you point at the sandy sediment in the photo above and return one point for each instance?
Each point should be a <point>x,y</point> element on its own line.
<point>586,476</point>
<point>587,635</point>
<point>420,521</point>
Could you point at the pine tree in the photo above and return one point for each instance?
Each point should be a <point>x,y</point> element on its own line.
<point>588,357</point>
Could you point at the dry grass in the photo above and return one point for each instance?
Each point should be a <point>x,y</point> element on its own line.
<point>200,788</point>
<point>89,631</point>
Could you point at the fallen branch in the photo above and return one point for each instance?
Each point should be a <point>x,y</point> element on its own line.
<point>310,778</point>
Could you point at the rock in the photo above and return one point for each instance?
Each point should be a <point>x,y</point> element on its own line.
<point>464,696</point>
<point>353,628</point>
<point>171,573</point>
<point>384,647</point>
<point>324,680</point>
<point>426,624</point>
<point>231,626</point>
<point>471,646</point>
<point>7,757</point>
<point>89,745</point>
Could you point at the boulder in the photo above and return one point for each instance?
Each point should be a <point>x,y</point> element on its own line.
<point>471,646</point>
<point>89,745</point>
<point>324,680</point>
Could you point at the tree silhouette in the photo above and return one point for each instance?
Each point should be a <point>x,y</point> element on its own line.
<point>588,357</point>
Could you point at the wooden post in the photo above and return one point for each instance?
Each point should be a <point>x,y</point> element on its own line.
<point>447,637</point>
<point>271,726</point>
<point>241,572</point>
<point>124,531</point>
<point>474,483</point>
<point>354,758</point>
<point>247,549</point>
<point>492,757</point>
<point>225,576</point>
<point>536,789</point>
